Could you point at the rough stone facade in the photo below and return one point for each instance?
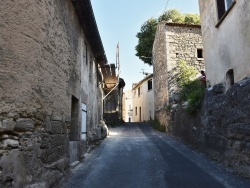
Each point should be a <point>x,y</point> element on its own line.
<point>173,42</point>
<point>47,70</point>
<point>221,127</point>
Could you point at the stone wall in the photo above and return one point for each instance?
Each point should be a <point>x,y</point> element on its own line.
<point>36,150</point>
<point>41,58</point>
<point>221,128</point>
<point>38,57</point>
<point>182,44</point>
<point>173,42</point>
<point>160,68</point>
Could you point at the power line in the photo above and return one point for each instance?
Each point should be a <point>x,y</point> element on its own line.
<point>166,7</point>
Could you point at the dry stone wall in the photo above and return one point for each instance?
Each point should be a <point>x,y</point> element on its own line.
<point>221,127</point>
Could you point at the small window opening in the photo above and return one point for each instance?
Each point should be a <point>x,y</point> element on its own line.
<point>149,84</point>
<point>139,92</point>
<point>74,127</point>
<point>229,78</point>
<point>223,6</point>
<point>200,53</point>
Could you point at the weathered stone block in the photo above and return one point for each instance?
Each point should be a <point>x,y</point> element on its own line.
<point>37,185</point>
<point>8,125</point>
<point>219,89</point>
<point>68,118</point>
<point>5,136</point>
<point>24,124</point>
<point>9,143</point>
<point>55,117</point>
<point>56,127</point>
<point>48,126</point>
<point>12,165</point>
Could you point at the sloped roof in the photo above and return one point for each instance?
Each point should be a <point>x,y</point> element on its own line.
<point>183,24</point>
<point>87,20</point>
<point>109,75</point>
<point>143,80</point>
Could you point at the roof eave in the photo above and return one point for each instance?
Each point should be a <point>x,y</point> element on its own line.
<point>87,20</point>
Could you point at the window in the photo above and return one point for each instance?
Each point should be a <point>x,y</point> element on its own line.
<point>149,84</point>
<point>74,132</point>
<point>200,53</point>
<point>139,92</point>
<point>136,111</point>
<point>223,7</point>
<point>229,78</point>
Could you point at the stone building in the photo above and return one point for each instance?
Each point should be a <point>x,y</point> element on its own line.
<point>225,121</point>
<point>143,100</point>
<point>173,42</point>
<point>51,89</point>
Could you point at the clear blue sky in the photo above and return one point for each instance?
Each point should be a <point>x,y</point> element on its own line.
<point>119,21</point>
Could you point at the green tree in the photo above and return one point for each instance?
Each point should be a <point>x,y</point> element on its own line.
<point>191,89</point>
<point>173,15</point>
<point>187,73</point>
<point>145,40</point>
<point>192,19</point>
<point>147,33</point>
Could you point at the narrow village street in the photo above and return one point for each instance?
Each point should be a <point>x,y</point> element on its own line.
<point>135,155</point>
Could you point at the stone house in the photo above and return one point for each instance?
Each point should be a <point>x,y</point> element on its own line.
<point>51,89</point>
<point>173,42</point>
<point>225,121</point>
<point>143,100</point>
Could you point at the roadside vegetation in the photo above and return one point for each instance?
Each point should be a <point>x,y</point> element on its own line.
<point>157,125</point>
<point>191,90</point>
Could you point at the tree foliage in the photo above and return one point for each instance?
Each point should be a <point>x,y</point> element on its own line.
<point>191,89</point>
<point>173,15</point>
<point>148,29</point>
<point>187,73</point>
<point>145,40</point>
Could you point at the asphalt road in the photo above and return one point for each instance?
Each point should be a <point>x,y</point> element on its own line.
<point>136,156</point>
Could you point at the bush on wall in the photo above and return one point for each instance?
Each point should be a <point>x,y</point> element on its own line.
<point>191,90</point>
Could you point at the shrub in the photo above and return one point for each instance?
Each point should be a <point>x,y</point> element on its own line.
<point>157,125</point>
<point>191,89</point>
